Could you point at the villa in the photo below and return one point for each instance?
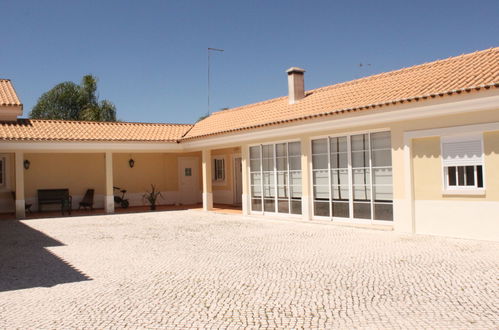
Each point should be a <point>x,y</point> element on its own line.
<point>416,150</point>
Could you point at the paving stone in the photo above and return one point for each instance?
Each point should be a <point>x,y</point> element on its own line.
<point>195,270</point>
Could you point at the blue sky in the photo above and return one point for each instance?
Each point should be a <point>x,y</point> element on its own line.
<point>151,56</point>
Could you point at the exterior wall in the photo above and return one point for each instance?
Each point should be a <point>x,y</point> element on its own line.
<point>462,215</point>
<point>6,199</point>
<point>160,169</point>
<point>81,171</point>
<point>223,192</point>
<point>77,172</point>
<point>434,212</point>
<point>401,222</point>
<point>10,112</point>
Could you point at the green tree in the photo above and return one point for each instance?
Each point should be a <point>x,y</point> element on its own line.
<point>70,101</point>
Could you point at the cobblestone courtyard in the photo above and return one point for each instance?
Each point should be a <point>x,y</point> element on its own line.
<point>191,269</point>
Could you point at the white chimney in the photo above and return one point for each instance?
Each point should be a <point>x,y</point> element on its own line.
<point>296,84</point>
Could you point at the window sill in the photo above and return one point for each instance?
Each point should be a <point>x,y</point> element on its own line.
<point>464,192</point>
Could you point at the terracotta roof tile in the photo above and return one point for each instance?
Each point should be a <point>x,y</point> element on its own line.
<point>465,72</point>
<point>445,77</point>
<point>63,130</point>
<point>8,96</point>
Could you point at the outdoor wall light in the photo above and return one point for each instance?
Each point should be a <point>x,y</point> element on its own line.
<point>26,164</point>
<point>131,162</point>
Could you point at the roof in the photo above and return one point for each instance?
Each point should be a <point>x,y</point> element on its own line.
<point>65,130</point>
<point>8,96</point>
<point>465,73</point>
<point>444,77</point>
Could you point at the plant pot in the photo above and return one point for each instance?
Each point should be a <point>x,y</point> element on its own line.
<point>153,207</point>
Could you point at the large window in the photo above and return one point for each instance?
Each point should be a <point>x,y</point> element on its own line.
<point>219,169</point>
<point>275,174</point>
<point>463,163</point>
<point>352,176</point>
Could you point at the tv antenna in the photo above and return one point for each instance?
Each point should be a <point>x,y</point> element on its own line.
<point>209,73</point>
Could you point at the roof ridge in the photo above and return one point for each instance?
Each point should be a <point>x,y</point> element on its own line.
<point>105,122</point>
<point>248,105</point>
<point>359,80</point>
<point>404,69</point>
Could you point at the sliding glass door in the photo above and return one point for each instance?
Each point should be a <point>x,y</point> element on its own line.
<point>352,177</point>
<point>275,175</point>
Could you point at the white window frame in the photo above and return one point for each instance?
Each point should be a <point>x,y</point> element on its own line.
<point>275,212</point>
<point>462,190</point>
<point>216,180</point>
<point>351,218</point>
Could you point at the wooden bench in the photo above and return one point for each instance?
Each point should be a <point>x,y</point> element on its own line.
<point>55,196</point>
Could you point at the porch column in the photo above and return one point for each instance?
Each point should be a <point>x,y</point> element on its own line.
<point>245,177</point>
<point>207,192</point>
<point>109,198</point>
<point>20,201</point>
<point>306,165</point>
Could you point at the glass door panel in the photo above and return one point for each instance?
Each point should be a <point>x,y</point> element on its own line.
<point>382,176</point>
<point>340,186</point>
<point>361,176</point>
<point>275,178</point>
<point>358,171</point>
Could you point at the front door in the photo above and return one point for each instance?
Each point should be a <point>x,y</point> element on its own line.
<point>238,181</point>
<point>189,192</point>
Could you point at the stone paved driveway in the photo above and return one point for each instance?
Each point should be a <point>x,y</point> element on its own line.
<point>190,269</point>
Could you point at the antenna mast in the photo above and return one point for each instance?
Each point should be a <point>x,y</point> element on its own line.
<point>209,74</point>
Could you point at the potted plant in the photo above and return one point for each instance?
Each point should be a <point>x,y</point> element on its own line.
<point>152,196</point>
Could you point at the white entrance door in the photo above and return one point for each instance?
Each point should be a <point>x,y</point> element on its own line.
<point>238,181</point>
<point>189,180</point>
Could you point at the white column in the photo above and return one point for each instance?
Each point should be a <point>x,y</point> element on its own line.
<point>20,201</point>
<point>109,197</point>
<point>403,208</point>
<point>306,165</point>
<point>207,191</point>
<point>245,177</point>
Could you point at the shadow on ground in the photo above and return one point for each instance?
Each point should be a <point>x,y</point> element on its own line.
<point>25,263</point>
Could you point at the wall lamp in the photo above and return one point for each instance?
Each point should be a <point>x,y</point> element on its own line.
<point>26,164</point>
<point>131,162</point>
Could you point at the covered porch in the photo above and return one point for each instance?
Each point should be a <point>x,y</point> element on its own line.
<point>179,176</point>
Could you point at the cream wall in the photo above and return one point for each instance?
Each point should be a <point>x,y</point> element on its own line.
<point>428,171</point>
<point>432,183</point>
<point>475,217</point>
<point>491,151</point>
<point>77,172</point>
<point>397,133</point>
<point>6,199</point>
<point>81,171</point>
<point>223,192</point>
<point>160,169</point>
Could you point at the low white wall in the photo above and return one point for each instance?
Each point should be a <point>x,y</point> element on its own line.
<point>223,196</point>
<point>402,218</point>
<point>169,198</point>
<point>7,205</point>
<point>135,199</point>
<point>463,219</point>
